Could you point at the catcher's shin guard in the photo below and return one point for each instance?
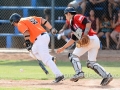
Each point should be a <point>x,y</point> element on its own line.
<point>75,62</point>
<point>97,68</point>
<point>107,77</point>
<point>77,67</point>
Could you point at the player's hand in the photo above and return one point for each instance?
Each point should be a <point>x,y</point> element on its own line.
<point>53,31</point>
<point>60,50</point>
<point>28,45</point>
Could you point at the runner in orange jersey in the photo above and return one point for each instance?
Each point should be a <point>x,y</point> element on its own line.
<point>33,32</point>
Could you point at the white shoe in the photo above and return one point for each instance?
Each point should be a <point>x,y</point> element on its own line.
<point>59,36</point>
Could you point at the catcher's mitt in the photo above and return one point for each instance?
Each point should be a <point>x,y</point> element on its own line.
<point>84,41</point>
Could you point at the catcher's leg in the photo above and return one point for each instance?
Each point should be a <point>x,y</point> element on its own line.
<point>77,67</point>
<point>107,77</point>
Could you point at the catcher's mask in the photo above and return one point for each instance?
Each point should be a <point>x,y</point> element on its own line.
<point>69,9</point>
<point>14,18</point>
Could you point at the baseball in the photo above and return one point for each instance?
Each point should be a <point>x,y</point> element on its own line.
<point>21,70</point>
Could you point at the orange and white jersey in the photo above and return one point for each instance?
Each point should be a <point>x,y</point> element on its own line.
<point>33,25</point>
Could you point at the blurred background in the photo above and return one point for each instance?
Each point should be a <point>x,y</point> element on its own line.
<point>104,15</point>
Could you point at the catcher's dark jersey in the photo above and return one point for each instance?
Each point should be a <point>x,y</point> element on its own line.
<point>80,21</point>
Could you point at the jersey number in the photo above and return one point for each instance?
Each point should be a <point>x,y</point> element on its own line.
<point>33,21</point>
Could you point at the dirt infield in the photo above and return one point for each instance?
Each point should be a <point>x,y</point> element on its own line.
<point>83,84</point>
<point>110,55</point>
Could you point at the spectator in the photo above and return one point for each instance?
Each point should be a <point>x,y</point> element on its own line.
<point>65,33</point>
<point>115,35</point>
<point>105,25</point>
<point>95,21</point>
<point>113,6</point>
<point>93,4</point>
<point>79,5</point>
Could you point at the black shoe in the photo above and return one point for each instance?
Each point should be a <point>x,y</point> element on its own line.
<point>78,76</point>
<point>58,79</point>
<point>107,80</point>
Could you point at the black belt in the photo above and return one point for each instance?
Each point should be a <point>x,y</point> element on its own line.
<point>41,34</point>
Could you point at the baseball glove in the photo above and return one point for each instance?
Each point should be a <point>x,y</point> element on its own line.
<point>84,41</point>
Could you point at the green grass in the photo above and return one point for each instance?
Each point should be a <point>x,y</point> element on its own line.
<point>10,69</point>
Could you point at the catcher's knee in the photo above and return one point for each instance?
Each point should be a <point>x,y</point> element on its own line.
<point>97,68</point>
<point>71,56</point>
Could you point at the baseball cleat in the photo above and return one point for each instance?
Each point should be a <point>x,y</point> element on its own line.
<point>107,80</point>
<point>78,76</point>
<point>58,79</point>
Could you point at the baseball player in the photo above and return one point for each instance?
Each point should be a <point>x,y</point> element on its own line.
<point>81,27</point>
<point>33,32</point>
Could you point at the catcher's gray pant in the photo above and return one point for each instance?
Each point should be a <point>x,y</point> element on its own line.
<point>92,49</point>
<point>41,51</point>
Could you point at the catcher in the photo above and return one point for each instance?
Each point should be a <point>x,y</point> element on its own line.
<point>86,41</point>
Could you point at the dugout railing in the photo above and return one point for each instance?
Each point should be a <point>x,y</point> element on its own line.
<point>25,12</point>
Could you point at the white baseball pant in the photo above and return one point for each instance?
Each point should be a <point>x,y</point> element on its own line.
<point>41,50</point>
<point>92,48</point>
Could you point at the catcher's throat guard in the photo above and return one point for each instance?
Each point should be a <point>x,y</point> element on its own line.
<point>78,33</point>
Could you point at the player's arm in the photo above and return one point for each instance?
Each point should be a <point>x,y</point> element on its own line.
<point>48,25</point>
<point>45,23</point>
<point>88,25</point>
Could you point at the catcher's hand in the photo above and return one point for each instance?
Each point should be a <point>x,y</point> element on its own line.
<point>84,41</point>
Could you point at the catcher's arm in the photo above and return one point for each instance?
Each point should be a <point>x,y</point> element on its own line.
<point>70,42</point>
<point>88,26</point>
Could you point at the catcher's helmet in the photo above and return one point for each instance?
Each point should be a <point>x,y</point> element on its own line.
<point>14,18</point>
<point>69,9</point>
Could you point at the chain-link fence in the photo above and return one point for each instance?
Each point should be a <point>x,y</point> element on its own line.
<point>11,38</point>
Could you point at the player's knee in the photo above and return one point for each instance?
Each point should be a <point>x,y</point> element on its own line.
<point>90,64</point>
<point>71,56</point>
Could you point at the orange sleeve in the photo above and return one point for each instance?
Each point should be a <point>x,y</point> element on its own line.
<point>22,27</point>
<point>38,19</point>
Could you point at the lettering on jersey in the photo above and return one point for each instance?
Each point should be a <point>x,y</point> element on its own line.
<point>78,33</point>
<point>32,20</point>
<point>76,26</point>
<point>81,18</point>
